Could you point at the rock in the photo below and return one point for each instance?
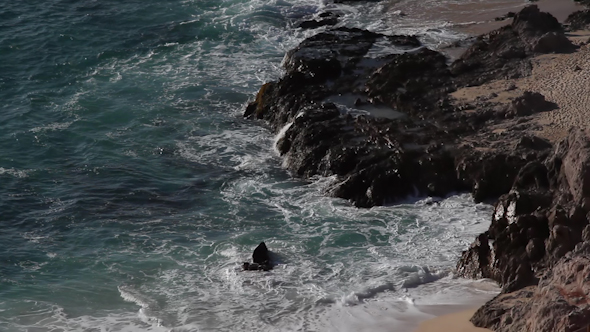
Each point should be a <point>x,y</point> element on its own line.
<point>346,1</point>
<point>261,259</point>
<point>260,254</point>
<point>410,82</point>
<point>534,143</point>
<point>535,249</point>
<point>476,261</point>
<point>379,159</point>
<point>504,53</point>
<point>530,103</point>
<point>326,19</point>
<point>559,302</point>
<point>570,164</point>
<point>538,243</point>
<point>586,234</point>
<point>578,20</point>
<point>553,42</point>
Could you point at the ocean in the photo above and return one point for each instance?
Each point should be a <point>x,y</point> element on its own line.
<point>131,188</point>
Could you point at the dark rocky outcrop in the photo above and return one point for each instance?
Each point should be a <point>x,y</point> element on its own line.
<point>504,53</point>
<point>260,258</point>
<point>559,302</point>
<point>401,135</point>
<point>529,103</point>
<point>324,19</point>
<point>541,219</point>
<point>386,127</point>
<point>579,20</point>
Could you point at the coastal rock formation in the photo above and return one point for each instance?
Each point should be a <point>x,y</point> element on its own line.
<point>579,20</point>
<point>260,258</point>
<point>528,247</point>
<point>504,53</point>
<point>538,221</point>
<point>560,301</point>
<point>386,125</point>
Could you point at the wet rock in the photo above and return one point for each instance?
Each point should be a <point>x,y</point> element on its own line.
<point>379,158</point>
<point>260,259</point>
<point>260,254</point>
<point>533,236</point>
<point>476,261</point>
<point>325,19</point>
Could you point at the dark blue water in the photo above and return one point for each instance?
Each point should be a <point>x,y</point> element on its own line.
<point>131,189</point>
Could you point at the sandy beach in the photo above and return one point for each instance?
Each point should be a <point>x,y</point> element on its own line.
<point>455,322</point>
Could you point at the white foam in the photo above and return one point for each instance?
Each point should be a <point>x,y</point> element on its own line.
<point>280,136</point>
<point>18,173</point>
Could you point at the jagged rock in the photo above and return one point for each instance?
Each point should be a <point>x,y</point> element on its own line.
<point>491,174</point>
<point>578,20</point>
<point>504,53</point>
<point>533,232</point>
<point>260,254</point>
<point>379,160</point>
<point>552,42</point>
<point>476,261</point>
<point>260,259</point>
<point>560,302</point>
<point>325,19</point>
<point>574,154</point>
<point>411,82</point>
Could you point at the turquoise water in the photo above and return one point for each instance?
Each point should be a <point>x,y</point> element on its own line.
<point>131,189</point>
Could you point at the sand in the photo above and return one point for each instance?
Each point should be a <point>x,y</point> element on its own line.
<point>562,78</point>
<point>455,322</point>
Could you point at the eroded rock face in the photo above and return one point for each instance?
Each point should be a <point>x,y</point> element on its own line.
<point>579,20</point>
<point>559,302</point>
<point>534,229</point>
<point>385,125</point>
<point>504,53</point>
<point>387,128</point>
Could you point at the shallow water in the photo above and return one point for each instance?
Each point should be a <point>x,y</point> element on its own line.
<point>131,189</point>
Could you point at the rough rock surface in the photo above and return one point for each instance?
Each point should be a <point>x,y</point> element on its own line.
<point>386,126</point>
<point>542,218</point>
<point>560,301</point>
<point>504,53</point>
<point>579,20</point>
<point>260,259</point>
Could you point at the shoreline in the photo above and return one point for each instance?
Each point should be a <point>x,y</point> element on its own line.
<point>458,321</point>
<point>417,125</point>
<point>458,318</point>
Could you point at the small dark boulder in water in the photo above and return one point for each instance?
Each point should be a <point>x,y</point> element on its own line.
<point>261,259</point>
<point>260,254</point>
